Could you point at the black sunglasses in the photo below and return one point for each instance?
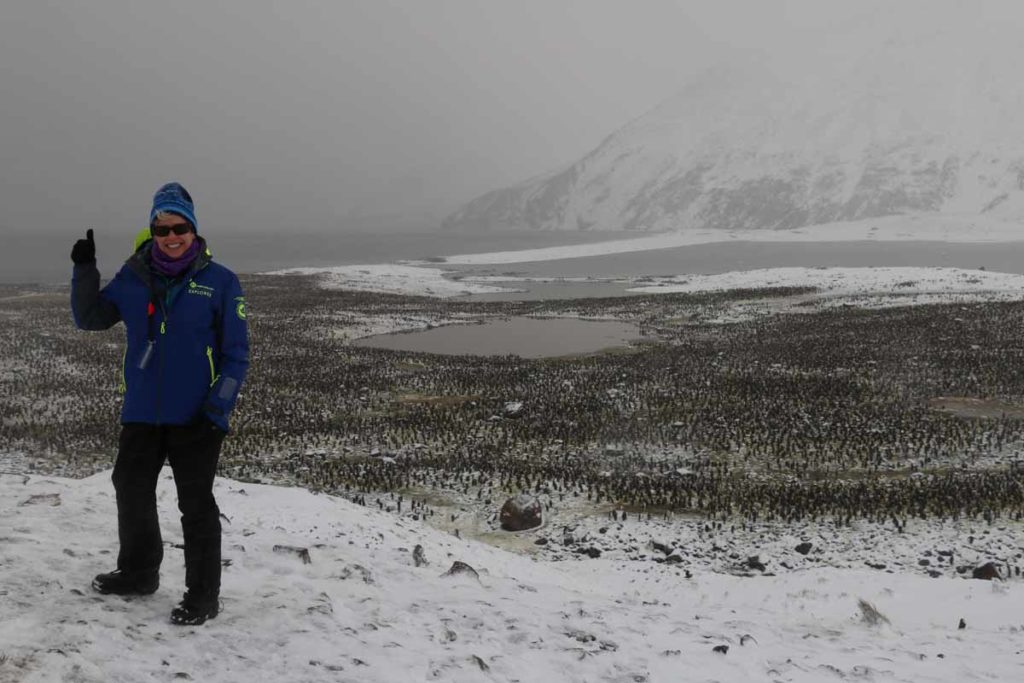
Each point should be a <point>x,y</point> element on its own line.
<point>165,230</point>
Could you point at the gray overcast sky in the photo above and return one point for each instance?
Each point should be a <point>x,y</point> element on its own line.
<point>333,115</point>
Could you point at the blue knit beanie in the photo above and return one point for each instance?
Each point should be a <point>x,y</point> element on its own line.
<point>174,198</point>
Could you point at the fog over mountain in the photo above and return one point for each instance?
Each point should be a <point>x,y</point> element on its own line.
<point>908,111</point>
<point>323,117</point>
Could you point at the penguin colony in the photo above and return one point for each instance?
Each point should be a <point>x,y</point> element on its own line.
<point>818,415</point>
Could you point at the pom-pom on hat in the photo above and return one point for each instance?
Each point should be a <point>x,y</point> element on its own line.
<point>173,197</point>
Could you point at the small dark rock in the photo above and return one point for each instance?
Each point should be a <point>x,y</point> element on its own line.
<point>754,562</point>
<point>459,567</point>
<point>661,547</point>
<point>541,541</point>
<point>722,649</point>
<point>51,499</point>
<point>581,636</point>
<point>356,569</point>
<point>302,553</point>
<point>803,548</point>
<point>986,572</point>
<point>962,625</point>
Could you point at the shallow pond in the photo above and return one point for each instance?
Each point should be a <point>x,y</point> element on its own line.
<point>520,336</point>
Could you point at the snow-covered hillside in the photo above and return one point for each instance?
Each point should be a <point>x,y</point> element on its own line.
<point>913,109</point>
<point>361,609</point>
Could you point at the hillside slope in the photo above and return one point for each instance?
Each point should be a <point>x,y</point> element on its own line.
<point>361,610</point>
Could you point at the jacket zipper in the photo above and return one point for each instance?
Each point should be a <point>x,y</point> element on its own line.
<point>160,367</point>
<point>213,372</point>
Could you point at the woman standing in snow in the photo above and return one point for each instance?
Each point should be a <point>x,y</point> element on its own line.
<point>186,356</point>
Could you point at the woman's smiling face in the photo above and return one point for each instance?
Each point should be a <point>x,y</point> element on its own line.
<point>171,244</point>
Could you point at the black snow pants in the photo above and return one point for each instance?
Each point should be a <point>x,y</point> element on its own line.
<point>193,451</point>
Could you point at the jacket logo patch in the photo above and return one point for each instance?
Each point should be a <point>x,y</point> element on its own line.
<point>201,290</point>
<point>240,310</point>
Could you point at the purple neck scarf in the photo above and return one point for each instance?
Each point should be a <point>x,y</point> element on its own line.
<point>173,267</point>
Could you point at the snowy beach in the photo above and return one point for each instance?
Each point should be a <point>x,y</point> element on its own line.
<point>934,283</point>
<point>971,228</point>
<point>863,287</point>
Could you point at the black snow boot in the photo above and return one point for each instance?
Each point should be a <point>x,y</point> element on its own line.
<point>118,582</point>
<point>193,611</point>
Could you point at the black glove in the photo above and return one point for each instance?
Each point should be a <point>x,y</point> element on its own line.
<point>84,251</point>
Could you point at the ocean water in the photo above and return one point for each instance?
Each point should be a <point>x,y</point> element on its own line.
<point>29,258</point>
<point>723,257</point>
<point>46,258</point>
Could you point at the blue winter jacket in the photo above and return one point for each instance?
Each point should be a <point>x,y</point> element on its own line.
<point>187,348</point>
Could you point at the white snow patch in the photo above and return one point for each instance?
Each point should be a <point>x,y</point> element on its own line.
<point>362,611</point>
<point>392,279</point>
<point>847,281</point>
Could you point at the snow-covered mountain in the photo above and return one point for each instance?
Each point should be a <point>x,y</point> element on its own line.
<point>917,109</point>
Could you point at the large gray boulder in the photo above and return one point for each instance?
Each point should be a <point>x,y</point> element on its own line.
<point>521,512</point>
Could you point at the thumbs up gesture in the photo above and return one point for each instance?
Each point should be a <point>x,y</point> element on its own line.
<point>84,251</point>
